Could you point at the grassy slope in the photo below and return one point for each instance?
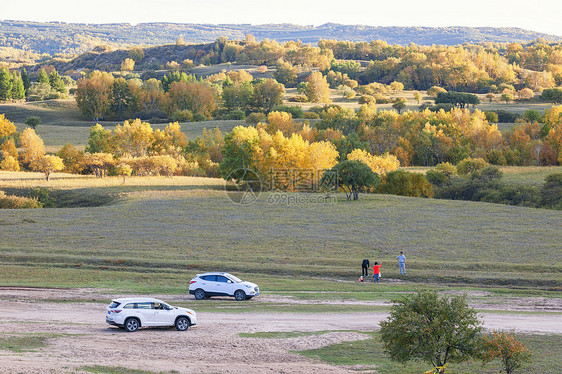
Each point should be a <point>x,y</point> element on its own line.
<point>176,236</point>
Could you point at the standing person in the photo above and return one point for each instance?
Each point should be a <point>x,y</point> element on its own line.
<point>376,272</point>
<point>365,267</point>
<point>402,263</point>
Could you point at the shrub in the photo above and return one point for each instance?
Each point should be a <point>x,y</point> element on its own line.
<point>237,115</point>
<point>436,178</point>
<point>532,115</point>
<point>492,117</point>
<point>182,116</point>
<point>507,117</point>
<point>17,202</point>
<point>255,118</point>
<point>551,192</point>
<point>298,99</point>
<point>311,115</point>
<point>43,195</point>
<point>198,117</point>
<point>404,183</point>
<point>470,165</point>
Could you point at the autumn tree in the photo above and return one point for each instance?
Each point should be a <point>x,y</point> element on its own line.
<point>136,54</point>
<point>437,330</point>
<point>124,97</point>
<point>72,158</point>
<point>317,89</point>
<point>93,95</point>
<point>267,94</point>
<point>399,104</point>
<point>32,145</point>
<point>503,346</point>
<point>198,97</point>
<point>47,164</point>
<point>7,127</point>
<point>285,73</point>
<point>124,170</point>
<point>99,162</point>
<point>128,64</point>
<point>378,164</point>
<point>132,138</point>
<point>417,97</point>
<point>9,163</point>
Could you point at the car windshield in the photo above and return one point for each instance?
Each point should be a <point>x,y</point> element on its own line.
<point>235,279</point>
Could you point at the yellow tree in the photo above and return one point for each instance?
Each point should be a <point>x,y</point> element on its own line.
<point>99,162</point>
<point>93,94</point>
<point>128,64</point>
<point>509,351</point>
<point>9,163</point>
<point>33,146</point>
<point>7,127</point>
<point>133,138</point>
<point>8,148</point>
<point>170,138</point>
<point>317,89</point>
<point>378,164</point>
<point>47,164</point>
<point>124,170</point>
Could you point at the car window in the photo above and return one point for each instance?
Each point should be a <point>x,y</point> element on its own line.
<point>114,304</point>
<point>130,306</point>
<point>222,279</point>
<point>144,305</point>
<point>210,278</point>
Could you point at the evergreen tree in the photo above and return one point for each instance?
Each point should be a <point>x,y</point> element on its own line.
<point>5,85</point>
<point>25,80</point>
<point>18,90</point>
<point>42,77</point>
<point>56,82</point>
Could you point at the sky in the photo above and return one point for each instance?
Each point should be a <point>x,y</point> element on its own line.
<point>537,15</point>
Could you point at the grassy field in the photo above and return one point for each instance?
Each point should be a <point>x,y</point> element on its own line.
<point>163,234</point>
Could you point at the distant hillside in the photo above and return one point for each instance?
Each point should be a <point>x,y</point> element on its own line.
<point>73,38</point>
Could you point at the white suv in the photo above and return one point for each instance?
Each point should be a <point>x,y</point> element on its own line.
<point>132,313</point>
<point>222,284</point>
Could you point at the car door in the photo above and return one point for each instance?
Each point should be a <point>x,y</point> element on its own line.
<point>210,285</point>
<point>224,285</point>
<point>146,311</point>
<point>164,315</point>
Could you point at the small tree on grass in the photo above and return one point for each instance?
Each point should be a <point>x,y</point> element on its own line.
<point>399,104</point>
<point>47,164</point>
<point>354,175</point>
<point>503,346</point>
<point>33,122</point>
<point>124,170</point>
<point>437,330</point>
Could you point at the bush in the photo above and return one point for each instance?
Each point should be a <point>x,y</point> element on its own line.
<point>492,117</point>
<point>532,115</point>
<point>43,195</point>
<point>298,99</point>
<point>237,115</point>
<point>295,111</point>
<point>436,178</point>
<point>182,116</point>
<point>311,115</point>
<point>198,117</point>
<point>507,117</point>
<point>404,183</point>
<point>470,165</point>
<point>16,202</point>
<point>255,118</point>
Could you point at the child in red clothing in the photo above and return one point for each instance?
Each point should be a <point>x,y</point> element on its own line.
<point>376,272</point>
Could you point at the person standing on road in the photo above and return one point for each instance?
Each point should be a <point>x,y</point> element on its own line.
<point>365,268</point>
<point>376,272</point>
<point>402,263</point>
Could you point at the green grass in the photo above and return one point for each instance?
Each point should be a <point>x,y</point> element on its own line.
<point>120,370</point>
<point>159,244</point>
<point>24,342</point>
<point>369,354</point>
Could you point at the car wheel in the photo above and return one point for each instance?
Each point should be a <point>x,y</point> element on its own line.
<point>199,294</point>
<point>240,295</point>
<point>182,324</point>
<point>132,324</point>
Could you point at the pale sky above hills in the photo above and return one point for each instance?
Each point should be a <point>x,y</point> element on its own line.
<point>537,15</point>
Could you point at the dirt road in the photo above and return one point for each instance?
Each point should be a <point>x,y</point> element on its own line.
<point>80,337</point>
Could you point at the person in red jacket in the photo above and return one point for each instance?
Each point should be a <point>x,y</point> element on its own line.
<point>376,272</point>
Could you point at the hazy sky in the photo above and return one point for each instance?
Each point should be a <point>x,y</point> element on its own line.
<point>537,15</point>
